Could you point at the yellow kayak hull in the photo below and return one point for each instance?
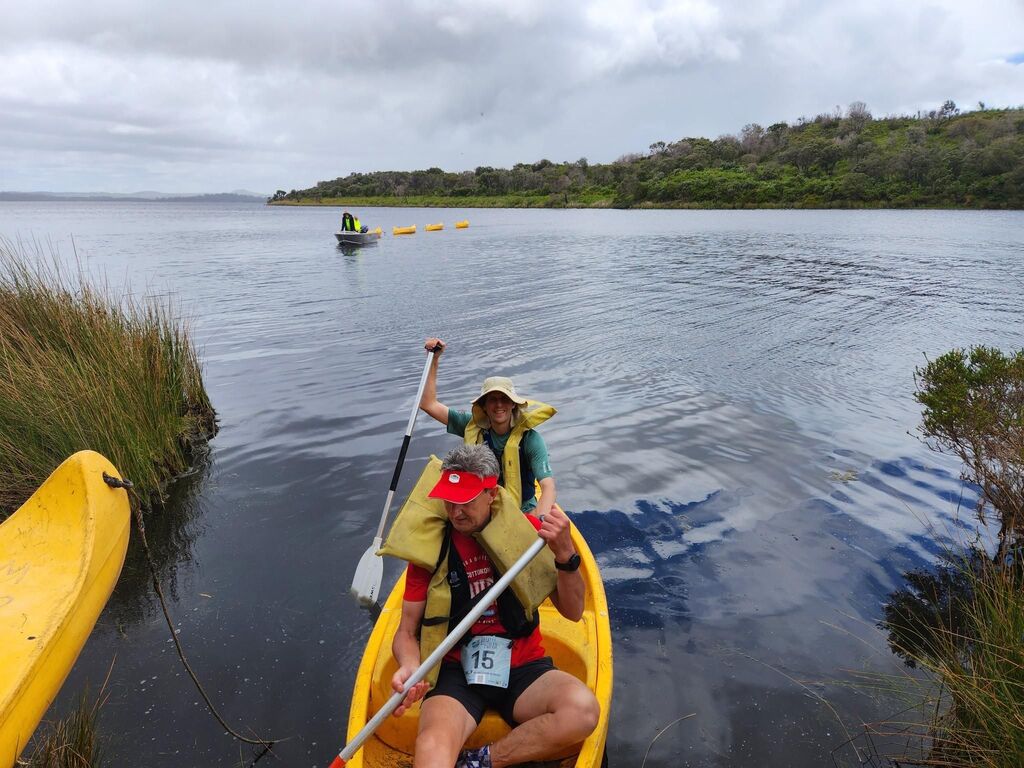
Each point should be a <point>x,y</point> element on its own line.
<point>461,224</point>
<point>60,556</point>
<point>404,230</point>
<point>434,227</point>
<point>582,648</point>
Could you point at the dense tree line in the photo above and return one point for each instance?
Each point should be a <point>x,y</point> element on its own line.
<point>942,158</point>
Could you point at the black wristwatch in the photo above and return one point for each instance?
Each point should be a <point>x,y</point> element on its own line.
<point>572,564</point>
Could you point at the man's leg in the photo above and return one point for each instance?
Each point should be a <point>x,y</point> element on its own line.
<point>555,713</point>
<point>444,727</point>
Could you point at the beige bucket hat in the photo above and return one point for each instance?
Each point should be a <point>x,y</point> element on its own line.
<point>499,384</point>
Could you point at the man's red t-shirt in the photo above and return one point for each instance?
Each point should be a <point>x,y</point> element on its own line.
<point>481,576</point>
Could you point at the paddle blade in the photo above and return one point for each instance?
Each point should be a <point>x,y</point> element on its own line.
<point>368,576</point>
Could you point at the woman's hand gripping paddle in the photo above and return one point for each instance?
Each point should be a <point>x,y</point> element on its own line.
<point>446,645</point>
<point>370,570</point>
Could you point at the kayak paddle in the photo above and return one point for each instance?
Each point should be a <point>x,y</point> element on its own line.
<point>370,571</point>
<point>439,653</point>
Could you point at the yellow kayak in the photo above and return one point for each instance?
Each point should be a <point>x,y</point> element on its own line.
<point>60,556</point>
<point>462,224</point>
<point>404,230</point>
<point>434,227</point>
<point>581,648</point>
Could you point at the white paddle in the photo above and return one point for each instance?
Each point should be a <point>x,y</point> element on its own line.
<point>446,645</point>
<point>370,570</point>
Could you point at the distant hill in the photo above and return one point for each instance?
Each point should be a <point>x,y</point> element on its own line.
<point>939,159</point>
<point>134,197</point>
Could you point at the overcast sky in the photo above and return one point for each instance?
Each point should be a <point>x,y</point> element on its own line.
<point>218,95</point>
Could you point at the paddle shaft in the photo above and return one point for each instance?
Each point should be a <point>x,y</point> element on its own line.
<point>446,645</point>
<point>405,446</point>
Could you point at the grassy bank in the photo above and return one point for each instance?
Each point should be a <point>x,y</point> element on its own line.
<point>85,368</point>
<point>597,201</point>
<point>424,201</point>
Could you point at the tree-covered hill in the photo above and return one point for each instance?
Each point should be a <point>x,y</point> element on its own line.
<point>943,158</point>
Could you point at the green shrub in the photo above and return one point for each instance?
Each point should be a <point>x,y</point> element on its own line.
<point>974,408</point>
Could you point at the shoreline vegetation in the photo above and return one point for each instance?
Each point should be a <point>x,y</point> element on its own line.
<point>86,368</point>
<point>846,159</point>
<point>962,623</point>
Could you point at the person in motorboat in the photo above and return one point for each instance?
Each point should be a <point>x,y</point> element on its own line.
<point>506,422</point>
<point>350,223</point>
<point>501,663</point>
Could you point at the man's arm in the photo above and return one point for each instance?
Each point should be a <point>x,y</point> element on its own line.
<point>570,591</point>
<point>429,403</point>
<point>406,650</point>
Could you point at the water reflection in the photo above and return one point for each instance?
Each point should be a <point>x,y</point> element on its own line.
<point>932,611</point>
<point>171,532</point>
<point>641,556</point>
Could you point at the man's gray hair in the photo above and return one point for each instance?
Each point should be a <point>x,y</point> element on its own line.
<point>478,459</point>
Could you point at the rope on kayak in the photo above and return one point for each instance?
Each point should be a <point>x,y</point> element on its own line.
<point>117,482</point>
<point>267,744</point>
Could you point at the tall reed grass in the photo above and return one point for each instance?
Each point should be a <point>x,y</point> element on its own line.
<point>70,742</point>
<point>82,367</point>
<point>966,629</point>
<point>982,670</point>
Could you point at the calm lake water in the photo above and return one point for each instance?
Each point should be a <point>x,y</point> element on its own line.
<point>734,394</point>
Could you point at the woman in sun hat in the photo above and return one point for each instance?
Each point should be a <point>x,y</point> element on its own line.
<point>505,421</point>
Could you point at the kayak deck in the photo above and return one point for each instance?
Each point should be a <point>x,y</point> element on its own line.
<point>582,649</point>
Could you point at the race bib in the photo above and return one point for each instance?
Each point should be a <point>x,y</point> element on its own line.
<point>486,660</point>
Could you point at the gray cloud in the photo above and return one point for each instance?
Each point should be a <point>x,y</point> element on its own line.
<point>208,96</point>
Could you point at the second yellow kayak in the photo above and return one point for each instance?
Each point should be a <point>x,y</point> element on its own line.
<point>60,556</point>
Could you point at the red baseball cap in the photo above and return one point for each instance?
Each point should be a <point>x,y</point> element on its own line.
<point>460,487</point>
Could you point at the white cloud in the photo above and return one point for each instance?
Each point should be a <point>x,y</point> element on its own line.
<point>627,34</point>
<point>209,96</point>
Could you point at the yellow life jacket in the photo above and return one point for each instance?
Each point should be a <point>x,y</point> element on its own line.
<point>418,533</point>
<point>531,415</point>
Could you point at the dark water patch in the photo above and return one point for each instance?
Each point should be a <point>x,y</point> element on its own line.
<point>171,533</point>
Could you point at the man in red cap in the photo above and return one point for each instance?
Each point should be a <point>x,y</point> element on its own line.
<point>502,663</point>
